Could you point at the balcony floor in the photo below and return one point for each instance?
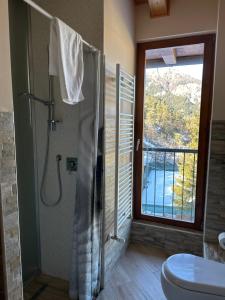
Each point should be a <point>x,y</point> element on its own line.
<point>136,276</point>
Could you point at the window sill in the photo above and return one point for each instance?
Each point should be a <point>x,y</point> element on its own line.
<point>168,227</point>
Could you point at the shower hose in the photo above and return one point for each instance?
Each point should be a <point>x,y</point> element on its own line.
<point>58,159</point>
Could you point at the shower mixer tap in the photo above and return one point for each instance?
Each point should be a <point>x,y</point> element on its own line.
<point>52,124</point>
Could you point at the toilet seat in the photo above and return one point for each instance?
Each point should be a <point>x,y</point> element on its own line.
<point>195,273</point>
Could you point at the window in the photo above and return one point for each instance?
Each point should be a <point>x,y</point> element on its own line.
<point>173,110</point>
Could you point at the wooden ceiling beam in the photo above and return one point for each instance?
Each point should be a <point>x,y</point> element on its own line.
<point>170,57</point>
<point>137,2</point>
<point>158,8</point>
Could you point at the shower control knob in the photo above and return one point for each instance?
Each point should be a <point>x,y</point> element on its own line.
<point>71,164</point>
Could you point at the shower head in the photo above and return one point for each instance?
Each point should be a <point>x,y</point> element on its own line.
<point>51,108</point>
<point>33,97</point>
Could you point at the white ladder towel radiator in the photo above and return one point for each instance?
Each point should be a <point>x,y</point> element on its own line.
<point>125,108</point>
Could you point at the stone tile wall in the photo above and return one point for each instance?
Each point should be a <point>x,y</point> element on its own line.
<point>172,240</point>
<point>114,249</point>
<point>215,206</point>
<point>9,208</point>
<point>213,251</point>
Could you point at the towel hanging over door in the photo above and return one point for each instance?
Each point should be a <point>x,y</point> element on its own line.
<point>66,60</point>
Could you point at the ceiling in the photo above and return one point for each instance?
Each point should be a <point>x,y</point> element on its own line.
<point>172,54</point>
<point>186,50</point>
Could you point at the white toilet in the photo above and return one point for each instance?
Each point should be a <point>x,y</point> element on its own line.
<point>189,277</point>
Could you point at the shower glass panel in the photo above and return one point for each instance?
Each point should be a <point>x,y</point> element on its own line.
<point>24,141</point>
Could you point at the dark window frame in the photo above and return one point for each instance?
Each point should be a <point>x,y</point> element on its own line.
<point>204,128</point>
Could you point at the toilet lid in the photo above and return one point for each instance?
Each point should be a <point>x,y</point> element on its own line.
<point>196,273</point>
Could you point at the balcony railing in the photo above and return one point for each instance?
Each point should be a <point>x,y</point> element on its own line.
<point>169,183</point>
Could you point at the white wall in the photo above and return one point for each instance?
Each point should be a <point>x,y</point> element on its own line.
<point>85,16</point>
<point>190,17</point>
<point>6,101</point>
<point>119,31</point>
<point>219,85</point>
<point>186,17</point>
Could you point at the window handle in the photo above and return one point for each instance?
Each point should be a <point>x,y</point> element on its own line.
<point>138,144</point>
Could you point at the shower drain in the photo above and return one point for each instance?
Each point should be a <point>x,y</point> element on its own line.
<point>39,292</point>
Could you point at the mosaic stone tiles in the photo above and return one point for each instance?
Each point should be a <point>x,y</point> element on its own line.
<point>9,207</point>
<point>172,240</point>
<point>215,206</point>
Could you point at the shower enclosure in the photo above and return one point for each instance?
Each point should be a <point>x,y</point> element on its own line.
<point>28,209</point>
<point>51,162</point>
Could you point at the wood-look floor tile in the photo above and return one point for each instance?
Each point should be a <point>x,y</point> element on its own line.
<point>53,282</point>
<point>135,277</point>
<point>53,294</point>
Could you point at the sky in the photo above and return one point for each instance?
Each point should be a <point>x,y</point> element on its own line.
<point>192,70</point>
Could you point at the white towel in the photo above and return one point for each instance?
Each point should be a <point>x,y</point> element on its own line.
<point>66,60</point>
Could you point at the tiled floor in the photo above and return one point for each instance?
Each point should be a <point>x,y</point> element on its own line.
<point>136,277</point>
<point>46,288</point>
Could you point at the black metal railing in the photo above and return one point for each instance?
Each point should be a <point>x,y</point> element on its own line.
<point>169,183</point>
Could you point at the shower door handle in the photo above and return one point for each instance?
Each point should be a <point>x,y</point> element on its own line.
<point>30,112</point>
